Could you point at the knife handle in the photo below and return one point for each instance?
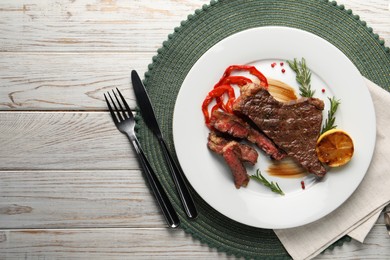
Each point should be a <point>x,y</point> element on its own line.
<point>163,201</point>
<point>178,178</point>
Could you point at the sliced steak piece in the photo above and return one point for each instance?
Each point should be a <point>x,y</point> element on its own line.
<point>232,157</point>
<point>235,154</point>
<point>218,144</point>
<point>294,126</point>
<point>237,127</point>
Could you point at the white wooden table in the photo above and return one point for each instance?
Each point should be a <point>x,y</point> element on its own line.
<point>70,185</point>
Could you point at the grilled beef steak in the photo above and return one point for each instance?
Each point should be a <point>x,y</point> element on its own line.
<point>235,154</point>
<point>237,127</point>
<point>294,126</point>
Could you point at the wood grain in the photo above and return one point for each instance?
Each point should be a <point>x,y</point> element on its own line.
<point>66,81</point>
<point>71,199</point>
<point>71,72</point>
<point>89,25</point>
<point>119,26</point>
<point>140,243</point>
<point>64,141</point>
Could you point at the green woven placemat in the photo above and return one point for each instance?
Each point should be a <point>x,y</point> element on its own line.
<point>193,38</point>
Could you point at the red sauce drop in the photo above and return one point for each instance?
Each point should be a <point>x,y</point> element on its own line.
<point>323,90</point>
<point>283,70</point>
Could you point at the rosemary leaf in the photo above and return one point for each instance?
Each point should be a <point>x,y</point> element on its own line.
<point>330,121</point>
<point>274,186</point>
<point>303,77</point>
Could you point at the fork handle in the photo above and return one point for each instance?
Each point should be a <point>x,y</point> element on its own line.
<point>178,178</point>
<point>158,191</point>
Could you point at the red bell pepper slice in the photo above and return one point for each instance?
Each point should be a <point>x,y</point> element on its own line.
<point>217,93</point>
<point>251,69</point>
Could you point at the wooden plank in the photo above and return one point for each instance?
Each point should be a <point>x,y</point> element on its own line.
<point>136,26</point>
<point>154,243</point>
<point>376,246</point>
<point>66,81</point>
<point>71,199</point>
<point>103,244</point>
<point>89,25</point>
<point>83,77</point>
<point>64,141</point>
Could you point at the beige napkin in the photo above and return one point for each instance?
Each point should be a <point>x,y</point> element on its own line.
<point>358,214</point>
<point>361,231</point>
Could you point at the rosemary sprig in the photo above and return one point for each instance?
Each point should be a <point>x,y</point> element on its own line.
<point>329,122</point>
<point>272,185</point>
<point>303,77</point>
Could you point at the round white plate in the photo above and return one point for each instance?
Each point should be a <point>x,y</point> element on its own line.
<point>256,205</point>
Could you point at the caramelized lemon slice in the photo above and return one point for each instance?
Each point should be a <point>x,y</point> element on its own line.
<point>334,148</point>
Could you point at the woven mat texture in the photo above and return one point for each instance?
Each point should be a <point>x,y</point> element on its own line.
<point>192,38</point>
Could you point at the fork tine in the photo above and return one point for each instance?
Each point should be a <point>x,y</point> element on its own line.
<point>122,111</point>
<point>111,111</point>
<point>120,118</point>
<point>128,109</point>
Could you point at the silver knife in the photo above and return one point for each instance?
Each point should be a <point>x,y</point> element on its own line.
<point>151,121</point>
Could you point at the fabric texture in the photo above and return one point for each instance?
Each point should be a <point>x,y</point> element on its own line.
<point>360,233</point>
<point>189,41</point>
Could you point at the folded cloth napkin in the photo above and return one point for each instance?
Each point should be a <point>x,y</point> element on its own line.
<point>359,212</point>
<point>361,231</point>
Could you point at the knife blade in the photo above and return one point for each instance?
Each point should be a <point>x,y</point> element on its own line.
<point>150,119</point>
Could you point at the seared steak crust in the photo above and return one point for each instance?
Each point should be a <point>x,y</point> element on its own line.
<point>235,154</point>
<point>294,126</point>
<point>237,127</point>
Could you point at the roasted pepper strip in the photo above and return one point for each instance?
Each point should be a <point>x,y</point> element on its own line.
<point>238,80</point>
<point>224,86</point>
<point>251,69</point>
<point>217,93</point>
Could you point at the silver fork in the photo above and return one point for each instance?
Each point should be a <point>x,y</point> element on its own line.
<point>124,121</point>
